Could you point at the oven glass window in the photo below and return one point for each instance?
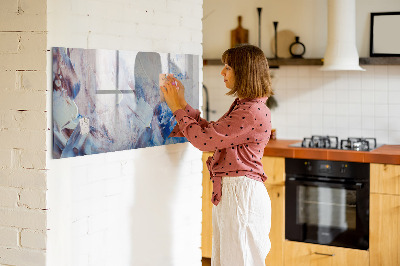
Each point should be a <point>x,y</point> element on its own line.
<point>327,207</point>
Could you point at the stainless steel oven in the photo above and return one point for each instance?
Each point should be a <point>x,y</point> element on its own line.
<point>327,202</point>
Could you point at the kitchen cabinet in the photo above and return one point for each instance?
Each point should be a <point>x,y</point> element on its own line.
<point>384,245</point>
<point>385,214</point>
<point>384,221</point>
<point>385,178</point>
<point>305,254</point>
<point>277,233</point>
<point>385,230</point>
<point>274,168</point>
<point>206,225</point>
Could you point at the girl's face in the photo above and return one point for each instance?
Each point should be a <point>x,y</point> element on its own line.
<point>229,76</point>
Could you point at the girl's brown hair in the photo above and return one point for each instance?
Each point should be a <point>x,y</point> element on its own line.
<point>250,66</point>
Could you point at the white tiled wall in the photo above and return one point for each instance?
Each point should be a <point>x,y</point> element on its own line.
<point>313,102</point>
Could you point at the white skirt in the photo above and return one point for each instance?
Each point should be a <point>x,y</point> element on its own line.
<point>241,223</point>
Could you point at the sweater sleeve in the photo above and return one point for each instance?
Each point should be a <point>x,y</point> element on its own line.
<point>231,130</point>
<point>193,113</point>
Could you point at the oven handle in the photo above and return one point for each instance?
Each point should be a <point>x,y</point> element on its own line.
<point>357,185</point>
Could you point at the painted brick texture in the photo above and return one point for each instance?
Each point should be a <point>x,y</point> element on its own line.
<point>33,239</point>
<point>125,207</point>
<point>23,132</point>
<point>91,203</point>
<point>9,237</point>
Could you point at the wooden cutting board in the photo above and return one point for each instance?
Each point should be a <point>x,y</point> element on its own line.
<point>239,35</point>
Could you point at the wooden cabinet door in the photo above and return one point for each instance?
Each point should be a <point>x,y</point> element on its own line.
<point>274,168</point>
<point>385,178</point>
<point>206,226</point>
<point>305,254</point>
<point>277,233</point>
<point>384,236</point>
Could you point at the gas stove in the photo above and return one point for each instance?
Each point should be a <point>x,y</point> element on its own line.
<point>332,142</point>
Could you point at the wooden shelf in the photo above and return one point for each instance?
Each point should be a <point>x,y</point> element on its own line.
<point>380,61</point>
<point>274,63</point>
<point>212,62</point>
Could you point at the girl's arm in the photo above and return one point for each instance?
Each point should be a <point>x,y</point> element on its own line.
<point>237,128</point>
<point>194,114</point>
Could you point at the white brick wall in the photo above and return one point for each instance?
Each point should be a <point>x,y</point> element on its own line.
<point>9,237</point>
<point>8,197</point>
<point>24,256</point>
<point>100,207</point>
<point>23,132</point>
<point>23,218</point>
<point>23,178</point>
<point>135,207</point>
<point>33,239</point>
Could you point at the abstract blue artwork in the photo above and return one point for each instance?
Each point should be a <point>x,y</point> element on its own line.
<point>110,100</point>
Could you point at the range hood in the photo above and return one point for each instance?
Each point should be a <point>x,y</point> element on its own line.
<point>341,51</point>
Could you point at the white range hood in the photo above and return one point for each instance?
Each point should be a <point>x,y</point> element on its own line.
<point>341,51</point>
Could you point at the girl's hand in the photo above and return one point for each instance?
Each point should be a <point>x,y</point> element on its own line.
<point>181,92</point>
<point>171,94</point>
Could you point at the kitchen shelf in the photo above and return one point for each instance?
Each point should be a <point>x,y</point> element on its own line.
<point>380,61</point>
<point>274,63</point>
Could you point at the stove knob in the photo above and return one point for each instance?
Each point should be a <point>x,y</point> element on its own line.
<point>343,168</point>
<point>308,166</point>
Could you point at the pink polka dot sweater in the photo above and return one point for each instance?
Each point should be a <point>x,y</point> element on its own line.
<point>238,139</point>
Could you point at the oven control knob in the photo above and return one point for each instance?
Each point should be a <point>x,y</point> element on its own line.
<point>343,168</point>
<point>308,166</point>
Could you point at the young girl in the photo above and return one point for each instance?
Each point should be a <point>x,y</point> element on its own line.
<point>242,209</point>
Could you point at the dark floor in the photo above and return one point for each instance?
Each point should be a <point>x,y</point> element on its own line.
<point>206,261</point>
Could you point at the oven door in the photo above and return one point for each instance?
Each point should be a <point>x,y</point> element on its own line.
<point>327,213</point>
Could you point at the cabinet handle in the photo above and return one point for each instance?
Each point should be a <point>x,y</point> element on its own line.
<point>325,254</point>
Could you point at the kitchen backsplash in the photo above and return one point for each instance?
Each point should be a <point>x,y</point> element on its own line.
<point>314,102</point>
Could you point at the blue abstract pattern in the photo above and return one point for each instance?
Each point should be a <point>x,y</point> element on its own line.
<point>109,100</point>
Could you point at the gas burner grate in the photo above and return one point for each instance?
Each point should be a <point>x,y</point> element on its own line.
<point>327,142</point>
<point>332,142</point>
<point>358,144</point>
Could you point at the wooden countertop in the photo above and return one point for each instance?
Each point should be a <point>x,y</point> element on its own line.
<point>389,154</point>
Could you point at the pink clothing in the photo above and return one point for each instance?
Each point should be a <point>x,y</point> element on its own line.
<point>238,139</point>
